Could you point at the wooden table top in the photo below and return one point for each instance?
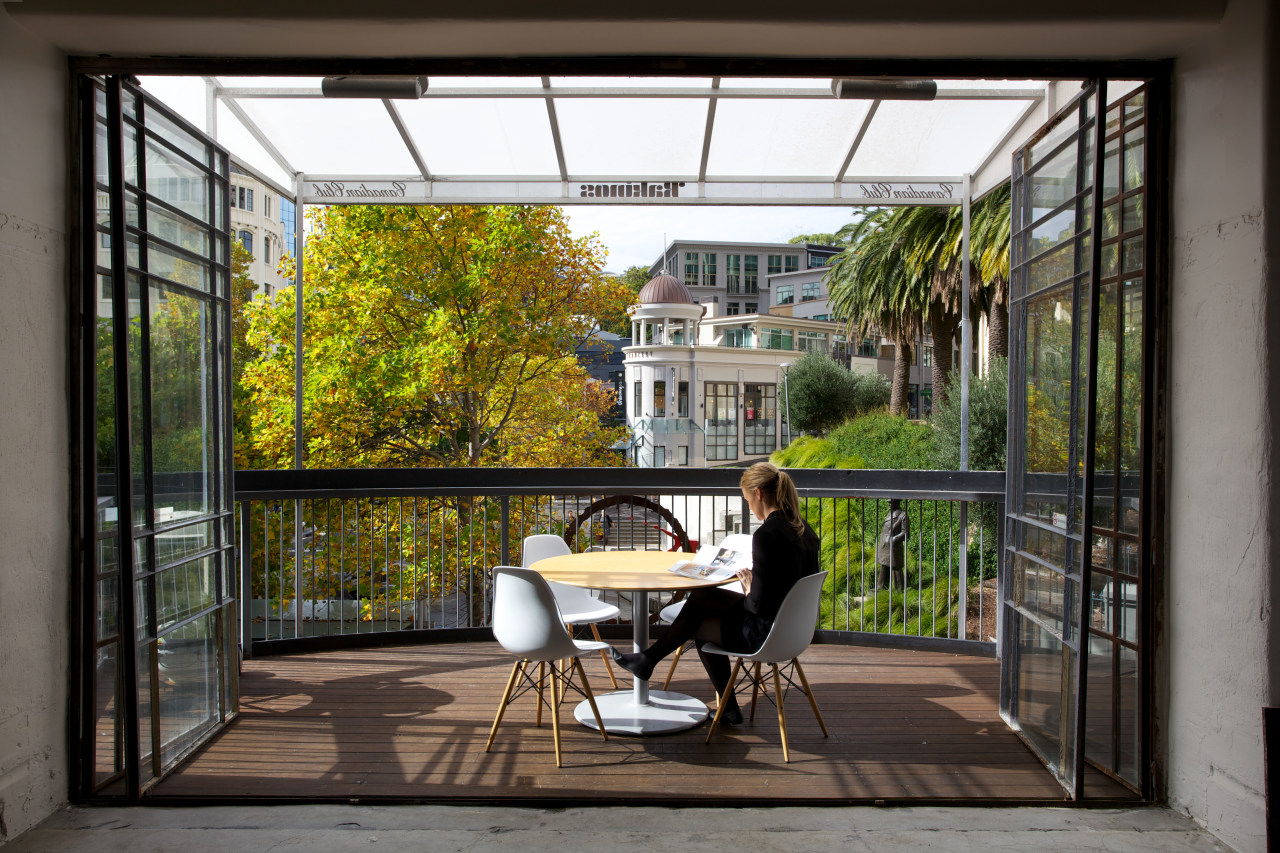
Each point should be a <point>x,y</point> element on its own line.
<point>621,570</point>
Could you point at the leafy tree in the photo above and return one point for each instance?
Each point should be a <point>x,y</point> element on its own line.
<point>990,253</point>
<point>437,336</point>
<point>988,420</point>
<point>619,322</point>
<point>819,239</point>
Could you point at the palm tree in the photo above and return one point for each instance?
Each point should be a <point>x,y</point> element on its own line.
<point>871,284</point>
<point>989,250</point>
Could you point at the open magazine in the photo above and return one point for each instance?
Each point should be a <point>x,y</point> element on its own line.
<point>713,563</point>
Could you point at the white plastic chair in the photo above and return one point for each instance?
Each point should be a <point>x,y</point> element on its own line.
<point>791,634</point>
<point>736,541</point>
<point>577,605</point>
<point>527,623</point>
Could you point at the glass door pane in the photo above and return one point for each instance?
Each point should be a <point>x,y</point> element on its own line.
<point>161,672</point>
<point>1051,281</point>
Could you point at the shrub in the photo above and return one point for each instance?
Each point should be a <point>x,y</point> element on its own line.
<point>882,440</point>
<point>988,419</point>
<point>871,392</point>
<point>819,393</point>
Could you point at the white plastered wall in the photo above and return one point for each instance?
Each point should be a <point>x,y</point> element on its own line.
<point>34,463</point>
<point>1214,644</point>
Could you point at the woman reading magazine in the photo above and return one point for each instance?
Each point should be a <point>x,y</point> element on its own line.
<point>783,550</point>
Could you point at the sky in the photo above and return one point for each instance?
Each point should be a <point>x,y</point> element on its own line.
<point>637,236</point>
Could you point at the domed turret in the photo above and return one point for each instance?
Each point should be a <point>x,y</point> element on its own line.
<point>665,289</point>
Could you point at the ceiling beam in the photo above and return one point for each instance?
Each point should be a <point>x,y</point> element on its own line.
<point>678,92</point>
<point>857,140</point>
<point>407,138</point>
<point>706,135</point>
<point>555,130</point>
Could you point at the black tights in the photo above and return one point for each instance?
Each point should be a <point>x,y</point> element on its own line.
<point>699,620</point>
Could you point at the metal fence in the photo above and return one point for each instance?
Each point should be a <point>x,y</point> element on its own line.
<point>337,553</point>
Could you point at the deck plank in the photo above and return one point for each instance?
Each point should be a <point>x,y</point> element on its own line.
<point>410,723</point>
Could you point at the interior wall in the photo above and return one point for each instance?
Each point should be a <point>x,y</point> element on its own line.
<point>1217,622</point>
<point>35,463</point>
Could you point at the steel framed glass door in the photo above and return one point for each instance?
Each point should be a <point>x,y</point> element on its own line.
<point>1080,441</point>
<point>1051,281</point>
<point>155,598</point>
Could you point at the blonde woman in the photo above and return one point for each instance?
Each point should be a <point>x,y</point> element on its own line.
<point>783,550</point>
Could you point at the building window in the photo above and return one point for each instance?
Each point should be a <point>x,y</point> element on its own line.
<point>733,273</point>
<point>786,294</point>
<point>635,455</point>
<point>635,403</point>
<point>691,269</point>
<point>659,398</point>
<point>775,264</point>
<point>249,206</point>
<point>266,249</point>
<point>753,307</point>
<point>722,421</point>
<point>818,260</point>
<point>776,338</point>
<point>792,263</point>
<point>868,348</point>
<point>708,269</point>
<point>732,309</point>
<point>751,274</point>
<point>682,454</point>
<point>809,291</point>
<point>760,418</point>
<point>246,240</point>
<point>739,337</point>
<point>682,403</point>
<point>659,457</point>
<point>812,342</point>
<point>927,358</point>
<point>266,289</point>
<point>266,205</point>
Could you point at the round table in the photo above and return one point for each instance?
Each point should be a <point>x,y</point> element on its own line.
<point>640,711</point>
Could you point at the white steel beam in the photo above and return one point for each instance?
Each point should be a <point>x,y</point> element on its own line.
<point>555,129</point>
<point>706,135</point>
<point>857,140</point>
<point>407,139</point>
<point>257,134</point>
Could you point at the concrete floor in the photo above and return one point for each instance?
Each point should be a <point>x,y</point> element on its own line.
<point>444,829</point>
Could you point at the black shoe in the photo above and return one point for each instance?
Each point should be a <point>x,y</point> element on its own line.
<point>732,716</point>
<point>635,663</point>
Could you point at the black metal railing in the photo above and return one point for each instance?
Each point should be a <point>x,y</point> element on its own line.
<point>344,553</point>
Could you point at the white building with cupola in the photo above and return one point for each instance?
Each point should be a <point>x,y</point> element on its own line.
<point>707,389</point>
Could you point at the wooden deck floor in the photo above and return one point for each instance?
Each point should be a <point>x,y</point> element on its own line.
<point>410,722</point>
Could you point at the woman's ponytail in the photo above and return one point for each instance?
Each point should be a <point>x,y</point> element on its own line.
<point>777,488</point>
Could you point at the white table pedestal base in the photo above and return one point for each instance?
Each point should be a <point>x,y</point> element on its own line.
<point>665,712</point>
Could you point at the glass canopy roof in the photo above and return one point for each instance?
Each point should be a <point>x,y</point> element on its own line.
<point>614,140</point>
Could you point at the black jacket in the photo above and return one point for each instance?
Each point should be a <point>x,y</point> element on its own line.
<point>779,558</point>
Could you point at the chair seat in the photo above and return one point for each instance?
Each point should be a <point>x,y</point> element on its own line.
<point>601,612</point>
<point>591,645</point>
<point>671,611</point>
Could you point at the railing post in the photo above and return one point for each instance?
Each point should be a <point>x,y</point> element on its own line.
<point>964,570</point>
<point>505,532</point>
<point>297,567</point>
<point>246,581</point>
<point>1000,573</point>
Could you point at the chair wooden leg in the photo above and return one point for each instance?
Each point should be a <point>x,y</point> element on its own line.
<point>502,706</point>
<point>782,714</point>
<point>542,674</point>
<point>813,703</point>
<point>755,690</point>
<point>604,655</point>
<point>672,671</point>
<point>555,712</point>
<point>591,699</point>
<point>715,721</point>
